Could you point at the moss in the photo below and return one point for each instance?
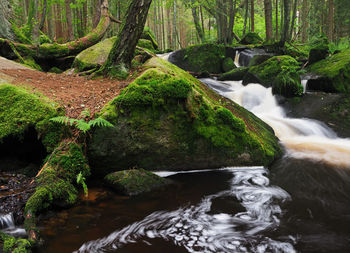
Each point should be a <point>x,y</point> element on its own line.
<point>44,38</point>
<point>20,34</point>
<point>228,64</point>
<point>251,38</point>
<point>167,119</point>
<point>55,183</point>
<point>30,62</point>
<point>135,181</point>
<point>55,70</point>
<point>147,44</point>
<point>20,110</point>
<point>334,72</point>
<point>235,74</point>
<point>280,72</point>
<point>148,35</point>
<point>13,245</point>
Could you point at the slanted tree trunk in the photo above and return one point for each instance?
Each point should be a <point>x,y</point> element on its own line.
<point>97,13</point>
<point>47,51</point>
<point>5,26</point>
<point>123,49</point>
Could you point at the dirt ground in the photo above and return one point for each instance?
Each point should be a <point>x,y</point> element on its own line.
<point>74,92</point>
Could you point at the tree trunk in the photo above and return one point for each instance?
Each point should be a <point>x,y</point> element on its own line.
<point>174,26</point>
<point>36,32</point>
<point>5,26</point>
<point>268,18</point>
<point>245,17</point>
<point>232,15</point>
<point>294,15</point>
<point>285,32</point>
<point>331,20</point>
<point>48,51</point>
<point>70,34</point>
<point>123,49</point>
<point>252,14</point>
<point>304,15</point>
<point>97,15</point>
<point>197,22</point>
<point>43,16</point>
<point>169,30</point>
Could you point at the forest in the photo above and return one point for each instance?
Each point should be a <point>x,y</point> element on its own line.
<point>174,125</point>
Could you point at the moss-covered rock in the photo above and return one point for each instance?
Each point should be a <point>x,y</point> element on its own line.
<point>333,73</point>
<point>251,38</point>
<point>96,56</point>
<point>200,58</point>
<point>280,73</point>
<point>259,59</point>
<point>166,119</point>
<point>228,64</point>
<point>135,181</point>
<point>235,74</point>
<point>20,110</point>
<point>148,35</point>
<point>57,177</point>
<point>14,245</point>
<point>319,49</point>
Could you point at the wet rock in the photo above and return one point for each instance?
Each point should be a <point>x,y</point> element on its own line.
<point>235,74</point>
<point>135,181</point>
<point>228,64</point>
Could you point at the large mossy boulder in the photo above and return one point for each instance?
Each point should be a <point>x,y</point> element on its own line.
<point>332,74</point>
<point>280,73</point>
<point>251,38</point>
<point>135,181</point>
<point>200,58</point>
<point>148,35</point>
<point>319,49</point>
<point>166,119</point>
<point>96,56</point>
<point>228,64</point>
<point>235,74</point>
<point>21,110</point>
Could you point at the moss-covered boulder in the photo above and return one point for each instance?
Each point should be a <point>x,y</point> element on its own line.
<point>333,74</point>
<point>11,244</point>
<point>280,73</point>
<point>166,119</point>
<point>96,56</point>
<point>228,64</point>
<point>148,35</point>
<point>135,181</point>
<point>57,177</point>
<point>251,38</point>
<point>200,58</point>
<point>235,74</point>
<point>319,49</point>
<point>21,110</point>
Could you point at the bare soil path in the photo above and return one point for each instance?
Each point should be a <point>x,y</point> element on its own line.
<point>74,92</point>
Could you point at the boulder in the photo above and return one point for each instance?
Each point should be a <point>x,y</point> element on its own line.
<point>235,74</point>
<point>251,38</point>
<point>280,73</point>
<point>166,119</point>
<point>319,50</point>
<point>200,58</point>
<point>148,35</point>
<point>228,64</point>
<point>135,181</point>
<point>331,74</point>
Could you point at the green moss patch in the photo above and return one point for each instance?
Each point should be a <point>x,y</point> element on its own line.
<point>280,72</point>
<point>235,74</point>
<point>56,181</point>
<point>228,64</point>
<point>135,181</point>
<point>251,38</point>
<point>20,109</point>
<point>148,35</point>
<point>166,119</point>
<point>334,73</point>
<point>14,245</point>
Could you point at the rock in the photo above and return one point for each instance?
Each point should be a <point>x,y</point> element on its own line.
<point>148,35</point>
<point>251,38</point>
<point>96,56</point>
<point>228,64</point>
<point>235,74</point>
<point>332,74</point>
<point>259,59</point>
<point>280,73</point>
<point>166,119</point>
<point>135,181</point>
<point>319,50</point>
<point>200,58</point>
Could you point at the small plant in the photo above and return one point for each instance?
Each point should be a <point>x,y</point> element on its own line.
<point>81,124</point>
<point>81,180</point>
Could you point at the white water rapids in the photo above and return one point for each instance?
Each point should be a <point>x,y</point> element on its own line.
<point>197,230</point>
<point>303,138</point>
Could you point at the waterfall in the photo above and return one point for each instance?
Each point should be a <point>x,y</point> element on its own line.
<point>303,138</point>
<point>7,221</point>
<point>237,59</point>
<point>304,84</point>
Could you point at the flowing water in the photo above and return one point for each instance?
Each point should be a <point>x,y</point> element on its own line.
<point>303,206</point>
<point>7,225</point>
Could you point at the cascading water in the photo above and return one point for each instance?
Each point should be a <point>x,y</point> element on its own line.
<point>303,138</point>
<point>198,230</point>
<point>237,59</point>
<point>7,225</point>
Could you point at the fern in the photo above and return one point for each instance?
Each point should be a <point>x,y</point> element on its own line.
<point>83,126</point>
<point>85,114</point>
<point>81,180</point>
<point>99,122</point>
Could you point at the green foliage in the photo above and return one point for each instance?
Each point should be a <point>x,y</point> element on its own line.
<point>81,124</point>
<point>251,38</point>
<point>228,64</point>
<point>342,45</point>
<point>81,180</point>
<point>14,245</point>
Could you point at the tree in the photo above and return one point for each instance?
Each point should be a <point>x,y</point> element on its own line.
<point>123,49</point>
<point>331,20</point>
<point>304,15</point>
<point>268,18</point>
<point>252,15</point>
<point>5,25</point>
<point>286,15</point>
